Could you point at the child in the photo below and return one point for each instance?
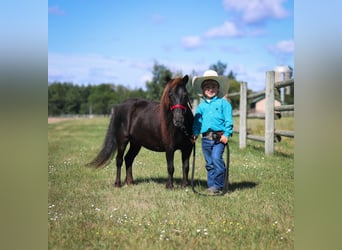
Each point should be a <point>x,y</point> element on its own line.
<point>214,120</point>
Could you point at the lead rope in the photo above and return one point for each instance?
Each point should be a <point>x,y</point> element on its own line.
<point>226,178</point>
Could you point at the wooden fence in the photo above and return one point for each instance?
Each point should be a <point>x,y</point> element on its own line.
<point>271,113</point>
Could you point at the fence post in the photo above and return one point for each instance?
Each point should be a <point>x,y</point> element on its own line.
<point>269,113</point>
<point>243,115</point>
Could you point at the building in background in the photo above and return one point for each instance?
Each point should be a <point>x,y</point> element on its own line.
<point>258,105</point>
<point>283,73</point>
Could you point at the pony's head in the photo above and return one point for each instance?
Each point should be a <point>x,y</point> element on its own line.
<point>176,99</point>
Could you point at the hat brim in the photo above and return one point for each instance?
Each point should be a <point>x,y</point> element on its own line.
<point>222,80</point>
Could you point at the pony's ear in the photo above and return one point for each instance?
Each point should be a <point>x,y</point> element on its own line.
<point>168,79</point>
<point>185,79</point>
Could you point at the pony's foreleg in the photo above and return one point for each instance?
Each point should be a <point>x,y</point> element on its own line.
<point>170,169</point>
<point>129,158</point>
<point>185,167</point>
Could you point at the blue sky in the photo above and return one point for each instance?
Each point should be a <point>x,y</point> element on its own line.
<point>93,42</point>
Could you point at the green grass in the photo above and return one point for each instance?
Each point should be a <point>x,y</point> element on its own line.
<point>85,211</point>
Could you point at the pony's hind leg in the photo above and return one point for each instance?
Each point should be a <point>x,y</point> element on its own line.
<point>119,161</point>
<point>129,158</point>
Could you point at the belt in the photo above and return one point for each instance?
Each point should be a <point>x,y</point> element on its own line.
<point>212,135</point>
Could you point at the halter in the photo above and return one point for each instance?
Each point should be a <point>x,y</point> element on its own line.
<point>180,106</point>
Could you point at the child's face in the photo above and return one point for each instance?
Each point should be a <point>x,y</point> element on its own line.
<point>210,89</point>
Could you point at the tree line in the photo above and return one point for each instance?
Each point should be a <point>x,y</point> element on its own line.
<point>69,98</point>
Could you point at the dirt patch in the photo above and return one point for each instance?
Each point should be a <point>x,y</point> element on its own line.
<point>56,119</point>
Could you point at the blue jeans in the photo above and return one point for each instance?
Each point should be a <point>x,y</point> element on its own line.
<point>215,166</point>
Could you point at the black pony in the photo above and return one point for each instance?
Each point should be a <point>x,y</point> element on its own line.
<point>162,127</point>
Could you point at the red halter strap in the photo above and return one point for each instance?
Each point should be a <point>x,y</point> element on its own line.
<point>180,106</point>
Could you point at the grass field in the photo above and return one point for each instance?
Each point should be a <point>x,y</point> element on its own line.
<point>85,211</point>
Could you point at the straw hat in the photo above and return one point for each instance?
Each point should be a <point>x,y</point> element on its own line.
<point>212,75</point>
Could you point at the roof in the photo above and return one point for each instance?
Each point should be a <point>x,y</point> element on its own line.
<point>259,98</point>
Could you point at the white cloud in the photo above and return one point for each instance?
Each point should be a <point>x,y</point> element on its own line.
<point>55,10</point>
<point>228,29</point>
<point>97,69</point>
<point>254,76</point>
<point>254,11</point>
<point>131,72</point>
<point>146,78</point>
<point>191,42</point>
<point>255,80</point>
<point>282,47</point>
<point>157,18</point>
<point>285,46</point>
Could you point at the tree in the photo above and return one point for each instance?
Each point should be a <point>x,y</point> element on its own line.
<point>231,75</point>
<point>234,86</point>
<point>101,99</point>
<point>161,76</point>
<point>73,100</point>
<point>219,67</point>
<point>57,98</point>
<point>85,91</point>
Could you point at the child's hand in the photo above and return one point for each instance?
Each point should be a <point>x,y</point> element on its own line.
<point>224,139</point>
<point>194,137</point>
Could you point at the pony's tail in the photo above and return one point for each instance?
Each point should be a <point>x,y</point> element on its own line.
<point>108,148</point>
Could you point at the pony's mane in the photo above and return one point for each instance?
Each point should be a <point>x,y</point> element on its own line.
<point>172,84</point>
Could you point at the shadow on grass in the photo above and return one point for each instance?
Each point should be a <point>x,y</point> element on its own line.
<point>197,183</point>
<point>233,186</point>
<point>160,180</point>
<point>261,149</point>
<point>241,185</point>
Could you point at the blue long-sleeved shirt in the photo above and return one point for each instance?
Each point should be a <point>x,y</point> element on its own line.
<point>213,115</point>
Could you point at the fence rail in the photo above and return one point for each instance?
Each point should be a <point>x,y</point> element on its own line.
<point>271,113</point>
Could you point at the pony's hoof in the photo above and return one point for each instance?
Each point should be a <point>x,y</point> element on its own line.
<point>184,185</point>
<point>129,183</point>
<point>169,186</point>
<point>117,185</point>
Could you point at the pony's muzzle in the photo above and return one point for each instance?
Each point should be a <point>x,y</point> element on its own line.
<point>178,118</point>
